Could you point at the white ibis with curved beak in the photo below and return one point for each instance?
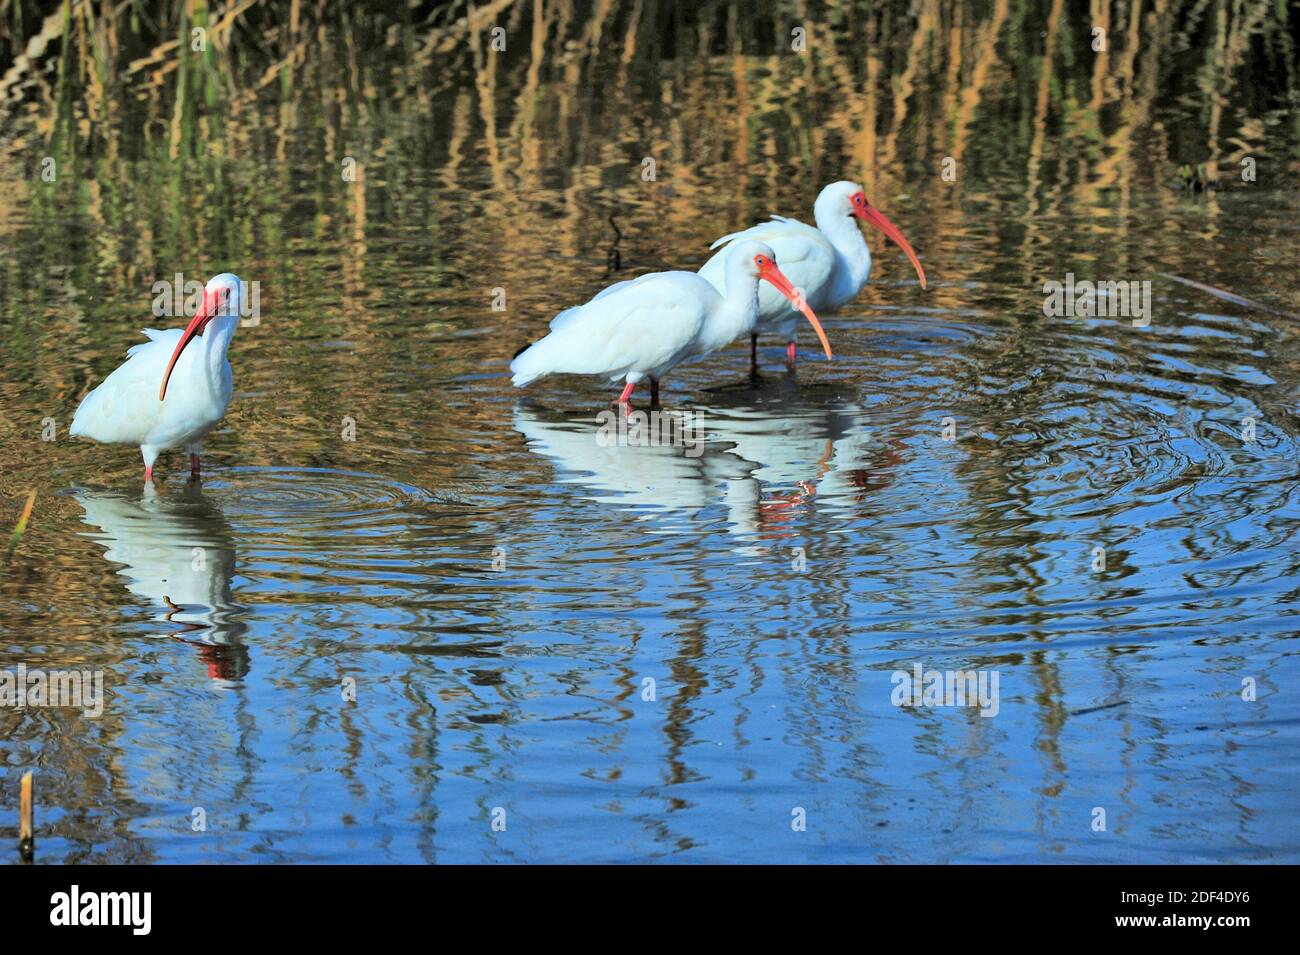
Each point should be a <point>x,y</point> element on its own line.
<point>642,328</point>
<point>174,388</point>
<point>829,264</point>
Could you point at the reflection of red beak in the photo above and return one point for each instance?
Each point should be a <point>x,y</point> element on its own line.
<point>207,311</point>
<point>881,222</point>
<point>771,273</point>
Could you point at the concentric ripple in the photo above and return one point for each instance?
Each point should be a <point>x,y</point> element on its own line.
<point>345,536</point>
<point>307,501</point>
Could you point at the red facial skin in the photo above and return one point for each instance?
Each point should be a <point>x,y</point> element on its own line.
<point>768,271</point>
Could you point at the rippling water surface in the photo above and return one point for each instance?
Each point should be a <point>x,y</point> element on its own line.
<point>631,652</point>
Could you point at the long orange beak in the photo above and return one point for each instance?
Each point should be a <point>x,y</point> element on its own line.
<point>881,222</point>
<point>771,273</point>
<point>195,328</point>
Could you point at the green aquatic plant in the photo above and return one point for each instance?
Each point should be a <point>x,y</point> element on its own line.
<point>21,527</point>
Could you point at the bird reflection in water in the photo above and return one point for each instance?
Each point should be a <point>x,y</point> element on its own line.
<point>764,465</point>
<point>835,452</point>
<point>177,554</point>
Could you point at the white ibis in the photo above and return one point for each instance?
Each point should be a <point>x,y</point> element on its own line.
<point>829,264</point>
<point>136,404</point>
<point>646,326</point>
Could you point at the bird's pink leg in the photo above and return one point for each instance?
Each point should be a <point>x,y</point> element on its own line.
<point>194,465</point>
<point>790,351</point>
<point>627,393</point>
<point>148,474</point>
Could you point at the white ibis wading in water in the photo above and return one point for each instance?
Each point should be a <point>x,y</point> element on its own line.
<point>642,328</point>
<point>172,389</point>
<point>829,264</point>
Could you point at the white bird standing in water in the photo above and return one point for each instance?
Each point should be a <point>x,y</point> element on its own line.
<point>134,405</point>
<point>646,326</point>
<point>829,264</point>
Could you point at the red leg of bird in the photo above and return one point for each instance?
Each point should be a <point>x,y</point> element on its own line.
<point>148,474</point>
<point>654,392</point>
<point>790,350</point>
<point>194,465</point>
<point>627,393</point>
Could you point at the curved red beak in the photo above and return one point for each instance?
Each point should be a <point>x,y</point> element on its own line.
<point>771,273</point>
<point>877,218</point>
<point>207,311</point>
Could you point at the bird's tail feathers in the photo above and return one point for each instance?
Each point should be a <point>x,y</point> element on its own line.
<point>529,364</point>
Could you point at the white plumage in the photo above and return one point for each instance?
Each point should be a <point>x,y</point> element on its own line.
<point>633,330</point>
<point>807,258</point>
<point>126,408</point>
<point>830,263</point>
<point>642,328</point>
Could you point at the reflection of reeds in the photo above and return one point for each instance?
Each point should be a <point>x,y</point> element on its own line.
<point>946,72</point>
<point>104,51</point>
